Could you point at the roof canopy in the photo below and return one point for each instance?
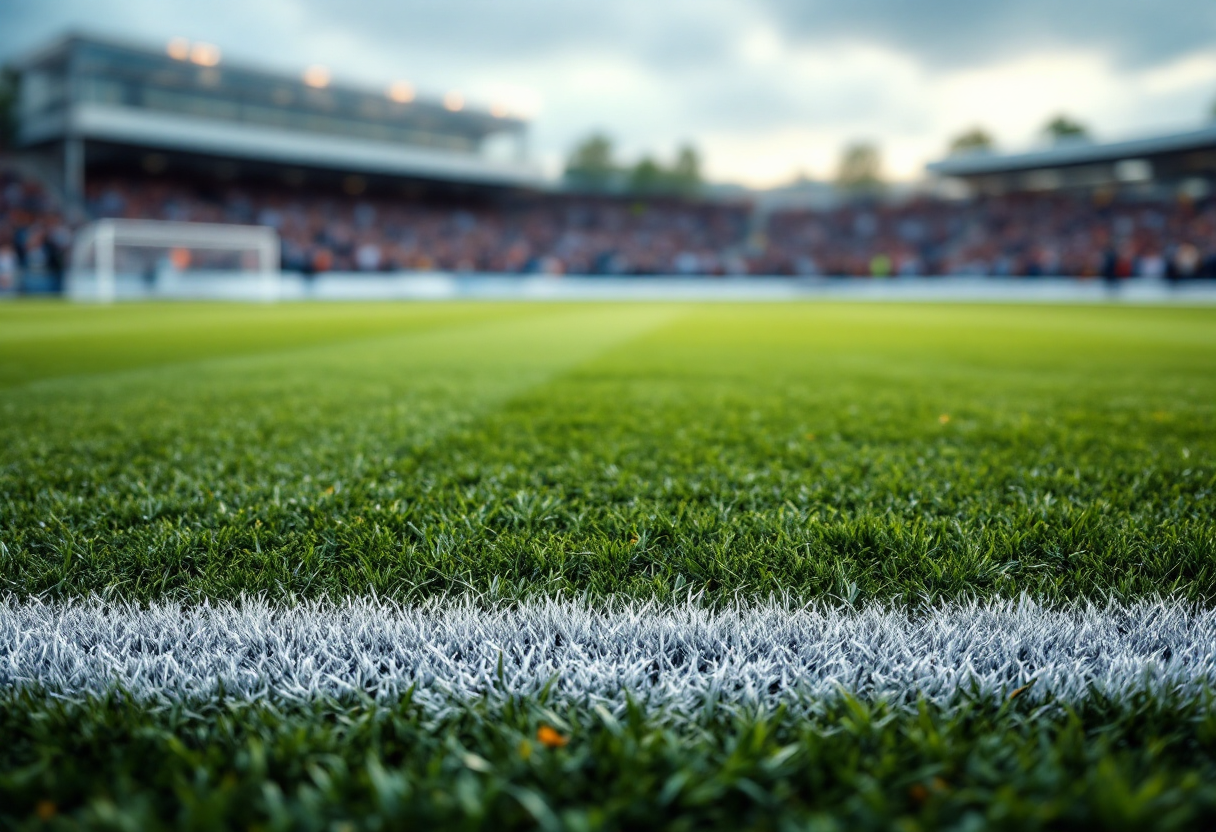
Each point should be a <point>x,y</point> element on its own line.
<point>1074,153</point>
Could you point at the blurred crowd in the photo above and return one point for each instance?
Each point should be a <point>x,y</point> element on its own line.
<point>1019,235</point>
<point>554,234</point>
<point>34,239</point>
<point>1023,235</point>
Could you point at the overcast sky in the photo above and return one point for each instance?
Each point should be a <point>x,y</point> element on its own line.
<point>765,88</point>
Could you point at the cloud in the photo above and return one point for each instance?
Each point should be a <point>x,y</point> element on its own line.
<point>672,35</point>
<point>688,33</point>
<point>766,87</point>
<point>946,33</point>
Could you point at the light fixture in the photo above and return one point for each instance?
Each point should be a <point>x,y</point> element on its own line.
<point>204,54</point>
<point>499,110</point>
<point>401,91</point>
<point>178,49</point>
<point>454,101</point>
<point>317,76</point>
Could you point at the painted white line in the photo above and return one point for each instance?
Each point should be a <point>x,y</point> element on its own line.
<point>337,286</point>
<point>675,656</point>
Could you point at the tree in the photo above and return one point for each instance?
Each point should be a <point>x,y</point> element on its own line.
<point>860,168</point>
<point>686,172</point>
<point>8,106</point>
<point>1064,129</point>
<point>683,178</point>
<point>648,177</point>
<point>971,141</point>
<point>591,165</point>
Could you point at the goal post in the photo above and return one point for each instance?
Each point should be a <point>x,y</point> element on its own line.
<point>115,258</point>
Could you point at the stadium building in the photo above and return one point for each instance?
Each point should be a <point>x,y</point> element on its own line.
<point>1156,167</point>
<point>88,104</point>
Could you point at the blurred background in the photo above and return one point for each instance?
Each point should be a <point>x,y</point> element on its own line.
<point>874,139</point>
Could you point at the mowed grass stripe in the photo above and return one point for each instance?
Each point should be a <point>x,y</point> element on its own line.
<point>469,345</point>
<point>41,340</point>
<point>779,450</point>
<point>106,478</point>
<point>824,451</point>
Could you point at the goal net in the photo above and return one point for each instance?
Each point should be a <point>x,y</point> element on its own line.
<point>116,258</point>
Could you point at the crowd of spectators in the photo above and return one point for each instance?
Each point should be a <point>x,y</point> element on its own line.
<point>34,238</point>
<point>555,234</point>
<point>1018,235</point>
<point>1024,235</point>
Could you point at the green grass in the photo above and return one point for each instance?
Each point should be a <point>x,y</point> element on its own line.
<point>852,765</point>
<point>641,450</point>
<point>912,453</point>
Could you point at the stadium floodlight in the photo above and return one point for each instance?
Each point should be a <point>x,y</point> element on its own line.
<point>178,49</point>
<point>204,54</point>
<point>401,91</point>
<point>114,258</point>
<point>317,76</point>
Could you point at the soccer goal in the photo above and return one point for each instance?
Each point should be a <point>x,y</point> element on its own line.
<point>117,258</point>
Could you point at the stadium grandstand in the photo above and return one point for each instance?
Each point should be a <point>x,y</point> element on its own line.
<point>1133,208</point>
<point>107,106</point>
<point>1153,167</point>
<point>357,180</point>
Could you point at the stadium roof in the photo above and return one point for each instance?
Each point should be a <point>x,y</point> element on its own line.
<point>101,90</point>
<point>154,60</point>
<point>1075,153</point>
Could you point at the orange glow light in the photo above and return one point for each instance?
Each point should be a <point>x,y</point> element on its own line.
<point>204,54</point>
<point>454,101</point>
<point>178,49</point>
<point>401,91</point>
<point>317,76</point>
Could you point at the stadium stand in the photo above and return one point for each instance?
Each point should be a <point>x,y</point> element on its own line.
<point>95,101</point>
<point>34,237</point>
<point>1150,167</point>
<point>554,233</point>
<point>1014,235</point>
<point>1018,235</point>
<point>387,181</point>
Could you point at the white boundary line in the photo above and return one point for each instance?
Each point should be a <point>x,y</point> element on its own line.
<point>434,286</point>
<point>677,656</point>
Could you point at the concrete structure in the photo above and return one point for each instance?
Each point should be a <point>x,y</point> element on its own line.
<point>98,103</point>
<point>1156,166</point>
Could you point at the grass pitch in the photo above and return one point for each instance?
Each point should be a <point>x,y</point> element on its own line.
<point>838,454</point>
